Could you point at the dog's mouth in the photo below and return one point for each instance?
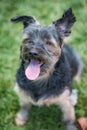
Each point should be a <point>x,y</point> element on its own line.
<point>32,71</point>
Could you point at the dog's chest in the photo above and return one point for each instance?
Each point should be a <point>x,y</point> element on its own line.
<point>26,98</point>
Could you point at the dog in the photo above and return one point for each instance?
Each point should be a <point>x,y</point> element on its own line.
<point>47,68</point>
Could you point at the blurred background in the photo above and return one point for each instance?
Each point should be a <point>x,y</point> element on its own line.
<point>45,11</point>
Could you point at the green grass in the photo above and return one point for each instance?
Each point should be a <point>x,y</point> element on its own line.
<point>10,39</point>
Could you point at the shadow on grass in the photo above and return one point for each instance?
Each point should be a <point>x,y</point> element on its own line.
<point>45,118</point>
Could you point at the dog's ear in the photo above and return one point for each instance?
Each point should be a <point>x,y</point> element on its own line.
<point>65,23</point>
<point>26,20</point>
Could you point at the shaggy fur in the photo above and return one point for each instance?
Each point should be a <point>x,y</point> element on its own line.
<point>60,64</point>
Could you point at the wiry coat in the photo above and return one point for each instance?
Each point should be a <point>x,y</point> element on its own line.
<point>57,82</point>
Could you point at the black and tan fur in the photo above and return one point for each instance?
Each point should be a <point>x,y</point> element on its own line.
<point>60,64</point>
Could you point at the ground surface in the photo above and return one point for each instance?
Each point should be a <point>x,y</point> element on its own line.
<point>10,39</point>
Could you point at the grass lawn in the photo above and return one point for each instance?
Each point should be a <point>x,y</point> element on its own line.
<point>10,39</point>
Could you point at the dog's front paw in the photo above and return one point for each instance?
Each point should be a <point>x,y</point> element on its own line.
<point>20,119</point>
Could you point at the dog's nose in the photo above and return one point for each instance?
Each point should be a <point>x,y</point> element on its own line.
<point>33,53</point>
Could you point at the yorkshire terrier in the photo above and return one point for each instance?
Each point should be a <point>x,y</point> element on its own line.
<point>47,67</point>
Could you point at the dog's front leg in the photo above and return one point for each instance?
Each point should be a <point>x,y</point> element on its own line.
<point>68,110</point>
<point>68,115</point>
<point>22,115</point>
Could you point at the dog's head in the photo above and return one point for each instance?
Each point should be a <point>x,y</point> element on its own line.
<point>41,45</point>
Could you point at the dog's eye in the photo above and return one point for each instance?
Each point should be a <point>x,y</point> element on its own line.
<point>30,41</point>
<point>48,43</point>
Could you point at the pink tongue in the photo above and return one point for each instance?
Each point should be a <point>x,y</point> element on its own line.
<point>33,70</point>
